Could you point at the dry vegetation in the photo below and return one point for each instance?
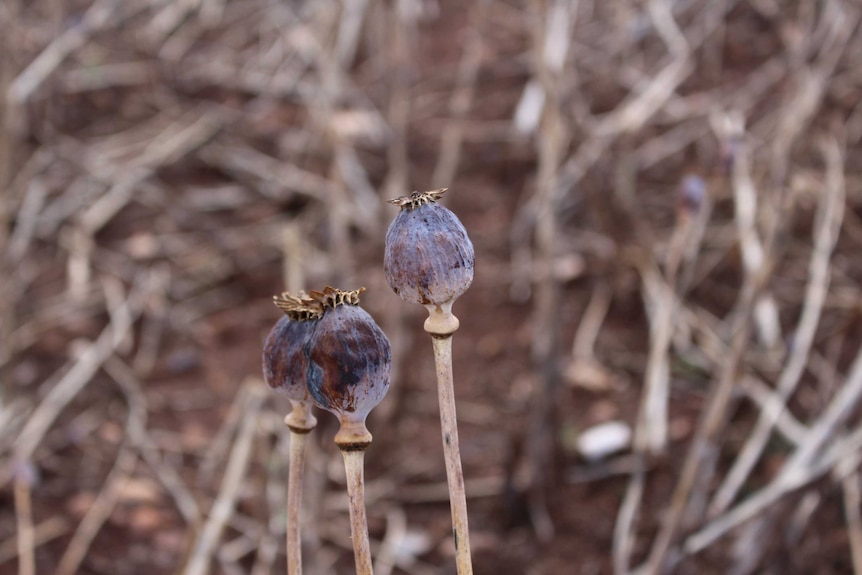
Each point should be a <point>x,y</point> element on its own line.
<point>167,166</point>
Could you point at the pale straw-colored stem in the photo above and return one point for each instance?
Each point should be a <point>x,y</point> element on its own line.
<point>441,321</point>
<point>300,422</point>
<point>298,445</point>
<point>354,464</point>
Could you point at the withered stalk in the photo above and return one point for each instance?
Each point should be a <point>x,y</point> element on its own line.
<point>300,422</point>
<point>352,439</point>
<point>441,325</point>
<point>354,464</point>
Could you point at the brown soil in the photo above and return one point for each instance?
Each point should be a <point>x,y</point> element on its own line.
<point>225,262</point>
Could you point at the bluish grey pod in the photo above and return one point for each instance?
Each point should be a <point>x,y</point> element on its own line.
<point>429,258</point>
<point>284,360</point>
<point>349,362</point>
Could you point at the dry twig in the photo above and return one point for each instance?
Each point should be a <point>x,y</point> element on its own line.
<point>222,508</point>
<point>829,218</point>
<point>123,469</point>
<point>81,372</point>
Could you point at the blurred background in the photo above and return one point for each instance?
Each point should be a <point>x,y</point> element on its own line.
<point>656,369</point>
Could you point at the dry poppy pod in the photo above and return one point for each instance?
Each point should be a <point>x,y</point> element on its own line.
<point>429,258</point>
<point>284,361</point>
<point>349,361</point>
<point>285,366</point>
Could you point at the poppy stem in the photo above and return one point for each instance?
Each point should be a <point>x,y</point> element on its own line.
<point>301,422</point>
<point>354,466</point>
<point>441,324</point>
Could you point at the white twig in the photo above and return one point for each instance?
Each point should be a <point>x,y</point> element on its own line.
<point>396,530</point>
<point>773,406</point>
<point>789,480</point>
<point>745,198</point>
<point>651,434</point>
<point>349,30</point>
<point>829,218</point>
<point>624,527</point>
<point>844,402</point>
<point>58,50</point>
<point>44,532</point>
<point>459,104</point>
<point>27,216</point>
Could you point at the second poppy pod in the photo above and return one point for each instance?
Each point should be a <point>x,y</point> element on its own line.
<point>284,361</point>
<point>348,361</point>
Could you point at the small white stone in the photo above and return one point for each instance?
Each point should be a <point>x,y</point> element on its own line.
<point>604,439</point>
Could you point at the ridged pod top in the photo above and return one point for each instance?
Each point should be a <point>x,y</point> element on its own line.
<point>305,306</point>
<point>429,258</point>
<point>349,357</point>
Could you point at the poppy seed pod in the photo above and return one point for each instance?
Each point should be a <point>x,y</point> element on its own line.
<point>429,258</point>
<point>282,358</point>
<point>284,369</point>
<point>284,361</point>
<point>349,360</point>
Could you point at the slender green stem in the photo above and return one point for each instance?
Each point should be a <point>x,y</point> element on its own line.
<point>452,451</point>
<point>354,466</point>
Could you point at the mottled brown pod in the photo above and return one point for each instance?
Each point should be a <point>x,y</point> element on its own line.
<point>285,364</point>
<point>429,259</point>
<point>349,361</point>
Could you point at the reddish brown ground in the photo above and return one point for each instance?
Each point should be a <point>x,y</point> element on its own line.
<point>202,363</point>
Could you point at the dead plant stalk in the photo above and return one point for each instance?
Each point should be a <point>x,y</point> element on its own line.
<point>349,362</point>
<point>429,260</point>
<point>284,370</point>
<point>449,425</point>
<point>296,472</point>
